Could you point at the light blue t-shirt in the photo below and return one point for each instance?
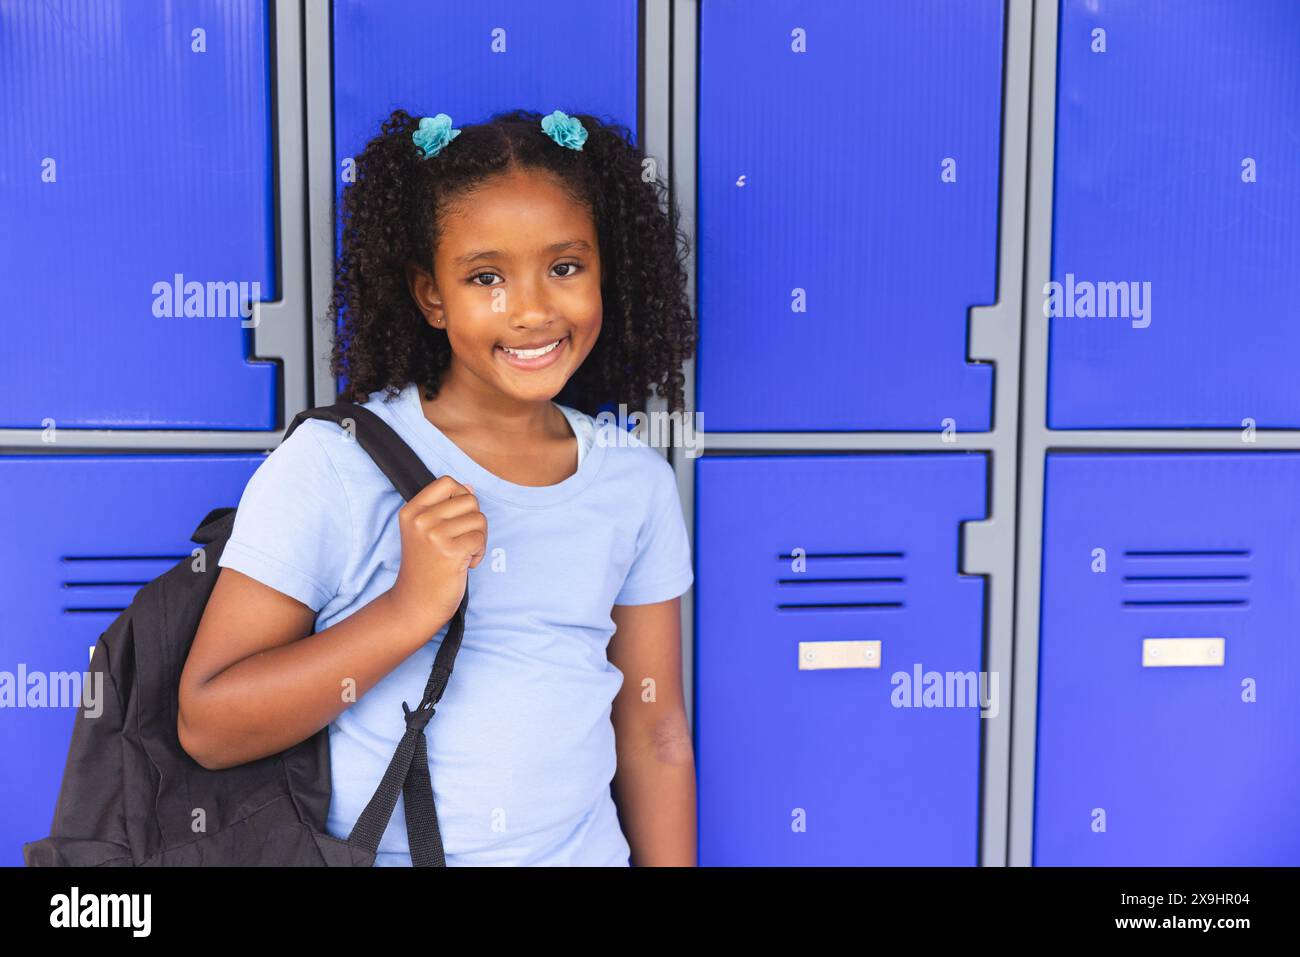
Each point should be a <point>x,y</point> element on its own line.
<point>521,747</point>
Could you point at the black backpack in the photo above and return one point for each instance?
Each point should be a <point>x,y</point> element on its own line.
<point>130,792</point>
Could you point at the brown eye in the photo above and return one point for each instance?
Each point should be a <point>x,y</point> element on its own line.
<point>573,266</point>
<point>477,276</point>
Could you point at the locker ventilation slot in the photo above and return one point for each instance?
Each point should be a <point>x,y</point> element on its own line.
<point>825,581</point>
<point>821,568</point>
<point>118,572</point>
<point>1185,578</point>
<point>140,584</point>
<point>122,558</point>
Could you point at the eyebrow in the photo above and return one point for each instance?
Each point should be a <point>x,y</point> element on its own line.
<point>574,244</point>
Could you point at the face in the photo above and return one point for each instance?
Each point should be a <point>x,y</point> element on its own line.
<point>516,287</point>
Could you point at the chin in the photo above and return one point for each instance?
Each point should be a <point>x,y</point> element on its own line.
<point>537,391</point>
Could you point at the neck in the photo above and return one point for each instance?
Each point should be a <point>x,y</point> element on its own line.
<point>466,403</point>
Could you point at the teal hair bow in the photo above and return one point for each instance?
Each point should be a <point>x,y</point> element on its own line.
<point>434,133</point>
<point>565,130</point>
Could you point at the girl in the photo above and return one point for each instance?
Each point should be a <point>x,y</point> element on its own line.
<point>484,272</point>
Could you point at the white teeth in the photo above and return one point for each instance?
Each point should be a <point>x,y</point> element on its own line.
<point>531,353</point>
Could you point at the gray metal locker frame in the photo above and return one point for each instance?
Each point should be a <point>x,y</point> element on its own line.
<point>280,330</point>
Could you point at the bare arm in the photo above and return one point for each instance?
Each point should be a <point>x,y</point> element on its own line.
<point>257,681</point>
<point>654,785</point>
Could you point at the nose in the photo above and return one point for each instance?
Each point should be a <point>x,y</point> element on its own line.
<point>530,307</point>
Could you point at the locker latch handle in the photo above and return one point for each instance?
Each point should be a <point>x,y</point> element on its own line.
<point>826,655</point>
<point>1182,652</point>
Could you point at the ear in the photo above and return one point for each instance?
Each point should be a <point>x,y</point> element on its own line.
<point>424,290</point>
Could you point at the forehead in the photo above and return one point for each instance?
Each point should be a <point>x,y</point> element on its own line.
<point>514,210</point>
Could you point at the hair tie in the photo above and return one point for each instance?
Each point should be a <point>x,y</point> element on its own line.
<point>565,130</point>
<point>434,133</point>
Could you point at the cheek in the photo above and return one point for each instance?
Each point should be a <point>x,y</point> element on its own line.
<point>592,313</point>
<point>475,329</point>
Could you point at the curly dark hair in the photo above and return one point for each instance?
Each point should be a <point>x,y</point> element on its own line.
<point>391,215</point>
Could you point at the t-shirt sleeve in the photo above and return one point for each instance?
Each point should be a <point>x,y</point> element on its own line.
<point>662,567</point>
<point>293,527</point>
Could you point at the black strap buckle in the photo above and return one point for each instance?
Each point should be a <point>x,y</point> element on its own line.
<point>417,719</point>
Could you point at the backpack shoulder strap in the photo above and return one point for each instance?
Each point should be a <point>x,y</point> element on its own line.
<point>393,456</point>
<point>408,771</point>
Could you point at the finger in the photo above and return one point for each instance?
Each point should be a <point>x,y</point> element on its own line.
<point>453,528</point>
<point>457,505</point>
<point>479,555</point>
<point>439,490</point>
<point>474,545</point>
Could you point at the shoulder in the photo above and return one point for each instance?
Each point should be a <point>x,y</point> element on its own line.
<point>302,451</point>
<point>633,460</point>
<point>328,444</point>
<point>297,474</point>
<point>313,452</point>
<point>385,404</point>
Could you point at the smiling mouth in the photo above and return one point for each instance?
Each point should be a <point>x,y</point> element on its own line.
<point>534,358</point>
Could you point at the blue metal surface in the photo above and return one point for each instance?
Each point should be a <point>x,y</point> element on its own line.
<point>821,171</point>
<point>1184,769</point>
<point>778,748</point>
<point>1150,140</point>
<point>90,531</point>
<point>161,169</point>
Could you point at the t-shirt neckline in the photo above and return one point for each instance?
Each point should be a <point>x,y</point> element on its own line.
<point>465,470</point>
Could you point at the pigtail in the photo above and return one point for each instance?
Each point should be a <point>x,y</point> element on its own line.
<point>383,219</point>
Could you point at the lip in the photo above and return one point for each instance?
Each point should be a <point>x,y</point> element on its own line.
<point>540,362</point>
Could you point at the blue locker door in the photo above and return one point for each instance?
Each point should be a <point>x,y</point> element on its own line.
<point>848,201</point>
<point>842,766</point>
<point>135,196</point>
<point>87,533</point>
<point>473,60</point>
<point>1155,139</point>
<point>1149,754</point>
